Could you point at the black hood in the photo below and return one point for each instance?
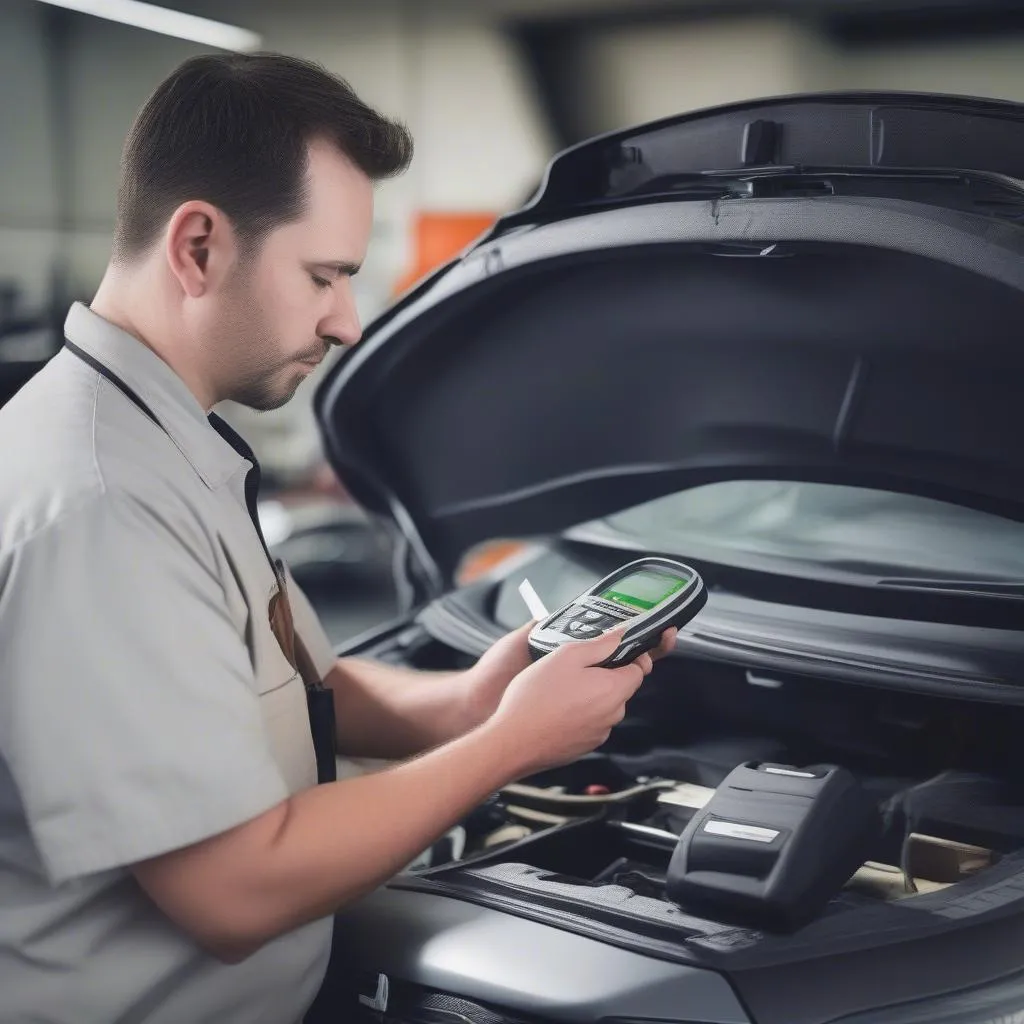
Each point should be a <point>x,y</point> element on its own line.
<point>823,288</point>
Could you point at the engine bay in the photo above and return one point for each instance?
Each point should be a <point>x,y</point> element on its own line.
<point>597,836</point>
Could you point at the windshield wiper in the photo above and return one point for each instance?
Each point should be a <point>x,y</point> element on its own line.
<point>1008,590</point>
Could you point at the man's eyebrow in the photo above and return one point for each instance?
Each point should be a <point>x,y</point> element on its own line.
<point>342,268</point>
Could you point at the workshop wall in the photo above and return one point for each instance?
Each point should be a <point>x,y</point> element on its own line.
<point>28,210</point>
<point>627,76</point>
<point>450,71</point>
<point>70,85</point>
<point>993,67</point>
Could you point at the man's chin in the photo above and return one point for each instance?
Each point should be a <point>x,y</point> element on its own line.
<point>267,399</point>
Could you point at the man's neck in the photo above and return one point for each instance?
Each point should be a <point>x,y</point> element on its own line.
<point>113,302</point>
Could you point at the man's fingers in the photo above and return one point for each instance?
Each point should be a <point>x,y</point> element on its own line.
<point>517,636</point>
<point>591,652</point>
<point>603,646</point>
<point>631,676</point>
<point>667,644</point>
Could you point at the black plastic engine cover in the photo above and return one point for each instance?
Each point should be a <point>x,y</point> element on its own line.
<point>774,844</point>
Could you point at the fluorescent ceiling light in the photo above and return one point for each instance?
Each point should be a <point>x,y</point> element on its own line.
<point>167,22</point>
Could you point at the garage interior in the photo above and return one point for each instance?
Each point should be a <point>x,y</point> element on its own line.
<point>491,91</point>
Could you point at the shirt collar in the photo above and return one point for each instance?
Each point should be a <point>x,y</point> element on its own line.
<point>177,410</point>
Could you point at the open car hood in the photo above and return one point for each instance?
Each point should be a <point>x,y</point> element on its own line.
<point>822,288</point>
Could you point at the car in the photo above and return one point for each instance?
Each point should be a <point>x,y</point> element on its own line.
<point>782,341</point>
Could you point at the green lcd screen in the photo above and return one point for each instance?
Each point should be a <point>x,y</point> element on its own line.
<point>645,589</point>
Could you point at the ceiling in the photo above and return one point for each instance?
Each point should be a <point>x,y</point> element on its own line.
<point>919,11</point>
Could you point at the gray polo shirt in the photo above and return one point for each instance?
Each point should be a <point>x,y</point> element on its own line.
<point>144,701</point>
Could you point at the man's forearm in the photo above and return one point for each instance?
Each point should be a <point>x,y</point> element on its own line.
<point>389,712</point>
<point>324,847</point>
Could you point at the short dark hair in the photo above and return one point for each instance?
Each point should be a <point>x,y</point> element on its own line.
<point>234,130</point>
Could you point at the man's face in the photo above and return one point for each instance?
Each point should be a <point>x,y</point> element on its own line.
<point>285,306</point>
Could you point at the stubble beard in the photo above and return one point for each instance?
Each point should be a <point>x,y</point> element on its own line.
<point>254,377</point>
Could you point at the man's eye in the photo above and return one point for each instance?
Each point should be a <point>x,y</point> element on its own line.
<point>320,282</point>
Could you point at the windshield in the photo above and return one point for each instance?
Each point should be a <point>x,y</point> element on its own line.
<point>848,529</point>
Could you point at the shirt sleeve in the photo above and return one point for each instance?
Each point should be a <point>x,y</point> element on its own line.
<point>129,718</point>
<point>308,626</point>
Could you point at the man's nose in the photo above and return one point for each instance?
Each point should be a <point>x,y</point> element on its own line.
<point>342,326</point>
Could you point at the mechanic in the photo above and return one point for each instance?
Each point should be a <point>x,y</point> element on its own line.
<point>166,852</point>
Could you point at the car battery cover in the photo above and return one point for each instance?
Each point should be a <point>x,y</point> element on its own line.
<point>774,844</point>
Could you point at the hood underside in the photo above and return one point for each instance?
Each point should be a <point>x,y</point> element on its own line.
<point>576,364</point>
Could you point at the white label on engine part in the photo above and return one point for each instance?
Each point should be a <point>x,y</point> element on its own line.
<point>686,794</point>
<point>734,830</point>
<point>379,1000</point>
<point>533,600</point>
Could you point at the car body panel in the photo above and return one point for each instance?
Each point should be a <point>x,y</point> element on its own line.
<point>452,946</point>
<point>877,330</point>
<point>821,288</point>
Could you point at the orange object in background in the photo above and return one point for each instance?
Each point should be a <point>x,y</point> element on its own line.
<point>439,237</point>
<point>485,557</point>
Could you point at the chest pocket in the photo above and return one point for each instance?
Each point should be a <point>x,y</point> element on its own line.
<point>297,711</point>
<point>319,701</point>
<point>281,688</point>
<point>289,688</point>
<point>282,625</point>
<point>252,596</point>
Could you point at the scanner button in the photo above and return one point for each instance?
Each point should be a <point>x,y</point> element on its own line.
<point>592,616</point>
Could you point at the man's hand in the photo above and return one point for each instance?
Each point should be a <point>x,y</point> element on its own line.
<point>488,679</point>
<point>332,844</point>
<point>667,644</point>
<point>390,712</point>
<point>563,706</point>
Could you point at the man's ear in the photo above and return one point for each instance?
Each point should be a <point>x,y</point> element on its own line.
<point>200,247</point>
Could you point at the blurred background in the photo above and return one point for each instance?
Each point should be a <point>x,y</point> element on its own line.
<point>491,90</point>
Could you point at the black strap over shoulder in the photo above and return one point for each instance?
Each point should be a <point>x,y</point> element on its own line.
<point>319,699</point>
<point>105,371</point>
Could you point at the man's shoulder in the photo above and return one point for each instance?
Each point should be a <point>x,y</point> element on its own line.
<point>48,463</point>
<point>70,450</point>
